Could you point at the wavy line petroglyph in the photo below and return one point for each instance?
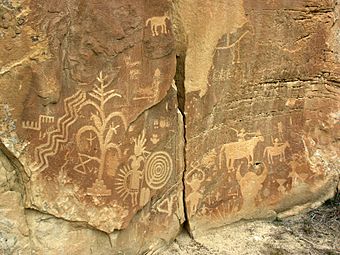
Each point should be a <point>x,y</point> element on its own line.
<point>60,134</point>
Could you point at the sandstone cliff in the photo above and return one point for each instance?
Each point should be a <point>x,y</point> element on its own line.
<point>123,121</point>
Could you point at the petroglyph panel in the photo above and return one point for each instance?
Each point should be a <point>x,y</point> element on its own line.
<point>254,139</point>
<point>90,85</point>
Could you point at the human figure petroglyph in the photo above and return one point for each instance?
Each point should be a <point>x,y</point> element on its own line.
<point>239,150</point>
<point>197,178</point>
<point>278,149</point>
<point>158,22</point>
<point>241,135</point>
<point>136,173</point>
<point>250,185</point>
<point>131,175</point>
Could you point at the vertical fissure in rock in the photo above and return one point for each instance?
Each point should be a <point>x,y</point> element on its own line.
<point>179,81</point>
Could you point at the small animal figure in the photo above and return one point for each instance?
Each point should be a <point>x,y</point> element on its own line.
<point>158,22</point>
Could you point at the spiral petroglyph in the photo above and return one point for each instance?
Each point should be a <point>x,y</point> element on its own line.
<point>158,169</point>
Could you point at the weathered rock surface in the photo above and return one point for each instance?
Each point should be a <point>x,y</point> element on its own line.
<point>92,136</point>
<point>90,110</point>
<point>262,119</point>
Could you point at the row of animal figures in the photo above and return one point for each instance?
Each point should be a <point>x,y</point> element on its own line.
<point>246,149</point>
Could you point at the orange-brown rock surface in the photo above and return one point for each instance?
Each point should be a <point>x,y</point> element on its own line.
<point>121,120</point>
<point>262,108</point>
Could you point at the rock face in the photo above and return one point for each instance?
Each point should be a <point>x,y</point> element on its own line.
<point>95,154</point>
<point>90,110</point>
<point>262,116</point>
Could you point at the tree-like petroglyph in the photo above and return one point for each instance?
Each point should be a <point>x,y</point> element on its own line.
<point>103,128</point>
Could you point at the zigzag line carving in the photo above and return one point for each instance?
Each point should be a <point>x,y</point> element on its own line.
<point>60,135</point>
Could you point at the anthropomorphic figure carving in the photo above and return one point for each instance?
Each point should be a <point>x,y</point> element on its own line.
<point>158,22</point>
<point>241,135</point>
<point>195,195</point>
<point>278,149</point>
<point>136,173</point>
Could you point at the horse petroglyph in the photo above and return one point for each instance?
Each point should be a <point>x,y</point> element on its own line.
<point>156,23</point>
<point>278,149</point>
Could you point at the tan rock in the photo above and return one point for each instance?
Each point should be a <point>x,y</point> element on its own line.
<point>93,141</point>
<point>260,124</point>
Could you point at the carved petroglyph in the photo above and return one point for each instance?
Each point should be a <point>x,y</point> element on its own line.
<point>238,150</point>
<point>102,130</point>
<point>233,46</point>
<point>281,188</point>
<point>154,139</point>
<point>241,135</point>
<point>297,163</point>
<point>133,67</point>
<point>195,179</point>
<point>250,185</point>
<point>158,169</point>
<point>130,176</point>
<point>60,135</point>
<point>278,149</point>
<point>155,168</point>
<point>150,93</point>
<point>158,24</point>
<point>37,125</point>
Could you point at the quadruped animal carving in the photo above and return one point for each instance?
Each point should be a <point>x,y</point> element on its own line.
<point>278,149</point>
<point>239,150</point>
<point>158,22</point>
